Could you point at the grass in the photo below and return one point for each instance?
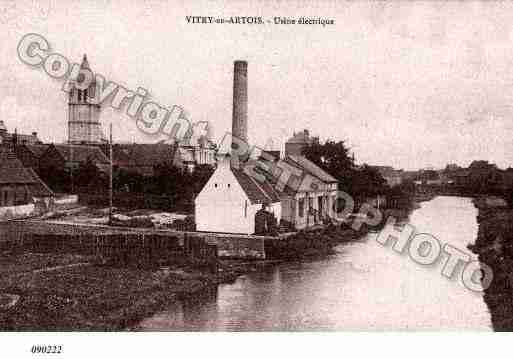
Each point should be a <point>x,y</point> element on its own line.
<point>92,297</point>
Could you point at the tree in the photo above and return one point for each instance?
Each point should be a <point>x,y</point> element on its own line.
<point>88,176</point>
<point>331,156</point>
<point>334,158</point>
<point>367,182</point>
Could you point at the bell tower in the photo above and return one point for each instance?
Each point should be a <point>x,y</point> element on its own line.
<point>84,125</point>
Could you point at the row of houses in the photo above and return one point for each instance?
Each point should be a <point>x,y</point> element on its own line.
<point>230,200</point>
<point>135,158</point>
<point>479,175</point>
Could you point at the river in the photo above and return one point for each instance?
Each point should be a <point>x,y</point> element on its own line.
<point>364,286</point>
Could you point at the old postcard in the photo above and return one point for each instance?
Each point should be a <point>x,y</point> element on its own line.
<point>257,166</point>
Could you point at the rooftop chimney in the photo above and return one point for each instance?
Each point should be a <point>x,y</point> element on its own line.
<point>240,101</point>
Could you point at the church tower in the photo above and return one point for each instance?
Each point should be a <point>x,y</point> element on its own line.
<point>84,125</point>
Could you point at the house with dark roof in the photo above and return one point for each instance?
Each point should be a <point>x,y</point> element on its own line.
<point>140,158</point>
<point>66,157</point>
<point>231,198</point>
<point>308,197</point>
<point>21,190</point>
<point>299,141</point>
<point>29,155</point>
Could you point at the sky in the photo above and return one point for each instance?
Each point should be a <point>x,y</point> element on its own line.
<point>405,84</point>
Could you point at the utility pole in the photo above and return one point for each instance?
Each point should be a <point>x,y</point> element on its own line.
<point>110,177</point>
<point>71,168</point>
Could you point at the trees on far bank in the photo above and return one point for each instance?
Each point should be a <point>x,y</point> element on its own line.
<point>334,157</point>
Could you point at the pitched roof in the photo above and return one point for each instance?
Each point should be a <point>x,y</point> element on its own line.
<point>8,159</point>
<point>310,167</point>
<point>185,155</point>
<point>39,188</point>
<point>37,150</point>
<point>257,192</point>
<point>19,175</point>
<point>81,153</point>
<point>145,154</point>
<point>21,138</point>
<point>85,63</point>
<point>300,137</point>
<point>13,172</point>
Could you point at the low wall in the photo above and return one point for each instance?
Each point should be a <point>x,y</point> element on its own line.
<point>228,245</point>
<point>68,199</point>
<point>16,211</point>
<point>231,246</point>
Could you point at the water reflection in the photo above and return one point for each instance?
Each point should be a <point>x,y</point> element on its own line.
<point>364,286</point>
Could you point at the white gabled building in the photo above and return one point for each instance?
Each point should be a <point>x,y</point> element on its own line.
<point>231,199</point>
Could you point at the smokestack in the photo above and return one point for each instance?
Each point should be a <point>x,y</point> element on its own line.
<point>240,101</point>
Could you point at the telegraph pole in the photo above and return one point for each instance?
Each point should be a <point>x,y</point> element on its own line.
<point>110,176</point>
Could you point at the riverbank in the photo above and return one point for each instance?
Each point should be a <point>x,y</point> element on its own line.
<point>494,247</point>
<point>64,292</point>
<point>56,292</point>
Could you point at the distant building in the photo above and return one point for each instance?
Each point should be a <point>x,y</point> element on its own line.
<point>190,153</point>
<point>452,167</point>
<point>311,197</point>
<point>461,177</point>
<point>84,125</point>
<point>392,176</point>
<point>298,142</point>
<point>141,158</point>
<point>64,157</point>
<point>19,187</point>
<point>11,140</point>
<point>30,155</point>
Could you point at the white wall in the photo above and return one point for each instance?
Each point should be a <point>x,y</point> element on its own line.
<point>68,199</point>
<point>276,209</point>
<point>16,211</point>
<point>220,206</point>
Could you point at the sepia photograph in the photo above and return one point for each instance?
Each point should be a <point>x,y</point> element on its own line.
<point>255,166</point>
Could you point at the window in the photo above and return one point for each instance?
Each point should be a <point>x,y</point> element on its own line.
<point>85,95</point>
<point>301,205</point>
<point>215,185</point>
<point>245,209</point>
<point>79,95</point>
<point>228,185</point>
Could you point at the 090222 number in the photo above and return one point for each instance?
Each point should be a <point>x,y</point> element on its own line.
<point>46,349</point>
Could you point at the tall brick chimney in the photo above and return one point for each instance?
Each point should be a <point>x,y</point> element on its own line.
<point>240,101</point>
